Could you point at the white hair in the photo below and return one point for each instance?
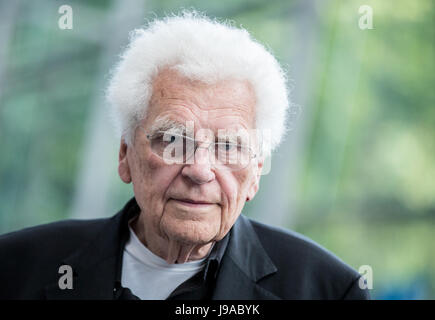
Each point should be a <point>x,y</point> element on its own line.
<point>200,49</point>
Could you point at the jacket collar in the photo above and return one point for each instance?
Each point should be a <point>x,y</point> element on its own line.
<point>97,265</point>
<point>244,265</point>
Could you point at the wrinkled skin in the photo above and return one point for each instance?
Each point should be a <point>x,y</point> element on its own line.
<point>175,230</point>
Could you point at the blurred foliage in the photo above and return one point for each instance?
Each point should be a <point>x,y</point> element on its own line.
<point>366,190</point>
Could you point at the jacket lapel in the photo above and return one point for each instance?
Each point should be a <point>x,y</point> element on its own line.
<point>243,265</point>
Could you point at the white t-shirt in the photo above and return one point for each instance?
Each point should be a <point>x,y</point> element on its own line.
<point>150,277</point>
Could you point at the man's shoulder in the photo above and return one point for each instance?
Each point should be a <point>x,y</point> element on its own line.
<point>303,262</point>
<point>52,234</point>
<point>40,245</point>
<point>31,256</point>
<point>289,244</point>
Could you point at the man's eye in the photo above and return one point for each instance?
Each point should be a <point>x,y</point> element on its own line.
<point>165,139</point>
<point>227,146</point>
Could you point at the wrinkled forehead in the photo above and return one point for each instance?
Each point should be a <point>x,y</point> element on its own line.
<point>225,105</point>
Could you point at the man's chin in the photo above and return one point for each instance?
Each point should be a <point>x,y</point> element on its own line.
<point>189,232</point>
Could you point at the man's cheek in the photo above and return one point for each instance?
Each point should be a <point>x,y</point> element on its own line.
<point>153,162</point>
<point>154,169</point>
<point>228,185</point>
<point>230,205</point>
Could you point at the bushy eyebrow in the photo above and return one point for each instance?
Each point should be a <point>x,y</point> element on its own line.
<point>232,136</point>
<point>167,125</point>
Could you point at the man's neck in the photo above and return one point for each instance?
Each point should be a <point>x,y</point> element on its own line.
<point>170,250</point>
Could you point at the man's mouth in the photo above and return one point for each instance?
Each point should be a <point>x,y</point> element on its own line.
<point>193,203</point>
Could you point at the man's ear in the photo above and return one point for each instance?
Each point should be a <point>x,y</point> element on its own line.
<point>256,182</point>
<point>123,166</point>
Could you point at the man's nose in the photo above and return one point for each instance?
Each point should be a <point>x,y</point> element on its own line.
<point>200,170</point>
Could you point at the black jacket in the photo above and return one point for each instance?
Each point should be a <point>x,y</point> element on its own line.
<point>260,262</point>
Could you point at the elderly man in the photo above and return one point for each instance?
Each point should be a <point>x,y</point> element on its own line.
<point>198,104</point>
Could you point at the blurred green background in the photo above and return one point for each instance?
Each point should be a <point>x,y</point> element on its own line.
<point>356,172</point>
